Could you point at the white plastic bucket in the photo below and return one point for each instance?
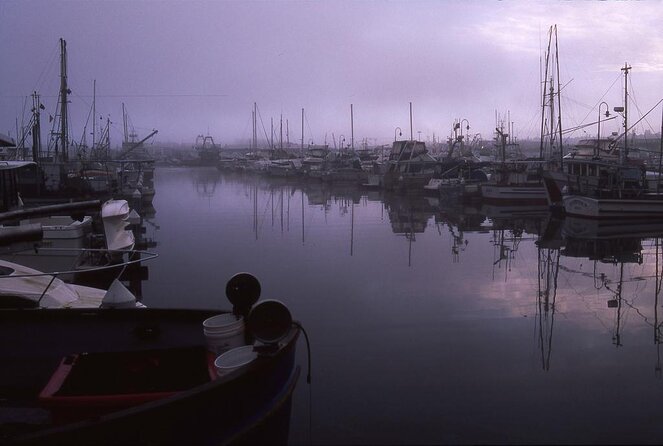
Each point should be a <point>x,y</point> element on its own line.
<point>223,332</point>
<point>234,359</point>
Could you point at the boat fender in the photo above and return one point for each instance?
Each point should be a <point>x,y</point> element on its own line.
<point>118,296</point>
<point>269,322</point>
<point>243,290</point>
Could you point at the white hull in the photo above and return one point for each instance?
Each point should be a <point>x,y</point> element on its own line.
<point>514,193</point>
<point>612,208</point>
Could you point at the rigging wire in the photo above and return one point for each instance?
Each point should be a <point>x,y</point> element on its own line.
<point>632,95</point>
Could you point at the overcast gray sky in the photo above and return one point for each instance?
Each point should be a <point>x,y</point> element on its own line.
<point>196,67</point>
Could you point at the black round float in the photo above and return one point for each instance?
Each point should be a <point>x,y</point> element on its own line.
<point>243,290</point>
<point>269,321</point>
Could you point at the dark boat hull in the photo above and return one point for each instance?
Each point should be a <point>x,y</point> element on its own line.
<point>219,411</point>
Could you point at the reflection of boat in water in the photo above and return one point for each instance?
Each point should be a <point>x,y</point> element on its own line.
<point>548,273</point>
<point>408,214</point>
<point>606,268</point>
<point>205,181</point>
<point>128,376</point>
<point>579,227</point>
<point>625,261</point>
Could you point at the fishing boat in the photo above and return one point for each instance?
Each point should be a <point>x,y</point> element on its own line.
<point>314,161</point>
<point>343,168</point>
<point>516,182</point>
<point>608,186</point>
<point>520,180</point>
<point>63,170</point>
<point>462,181</point>
<point>135,180</point>
<point>147,376</point>
<point>284,167</point>
<point>207,150</point>
<point>513,181</point>
<point>410,167</point>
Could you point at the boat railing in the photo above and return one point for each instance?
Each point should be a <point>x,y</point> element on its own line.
<point>135,256</point>
<point>131,259</point>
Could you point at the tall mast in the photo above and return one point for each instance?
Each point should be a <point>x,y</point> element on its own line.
<point>625,70</point>
<point>253,134</point>
<point>552,116</point>
<point>64,145</point>
<point>559,102</point>
<point>411,138</point>
<point>94,112</point>
<point>36,127</point>
<point>255,124</point>
<point>543,96</point>
<point>302,132</point>
<point>352,129</point>
<point>124,122</point>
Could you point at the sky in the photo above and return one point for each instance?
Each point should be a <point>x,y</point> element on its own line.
<point>187,68</point>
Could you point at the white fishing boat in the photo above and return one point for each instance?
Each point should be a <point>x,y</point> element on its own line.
<point>516,181</point>
<point>621,189</point>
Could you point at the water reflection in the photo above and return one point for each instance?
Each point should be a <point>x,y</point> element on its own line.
<point>431,321</point>
<point>623,274</point>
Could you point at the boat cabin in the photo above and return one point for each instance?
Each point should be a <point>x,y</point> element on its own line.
<point>410,157</point>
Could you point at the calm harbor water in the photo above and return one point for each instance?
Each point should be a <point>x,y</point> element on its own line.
<point>429,323</point>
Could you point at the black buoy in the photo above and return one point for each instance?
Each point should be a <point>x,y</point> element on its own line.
<point>269,321</point>
<point>242,290</point>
